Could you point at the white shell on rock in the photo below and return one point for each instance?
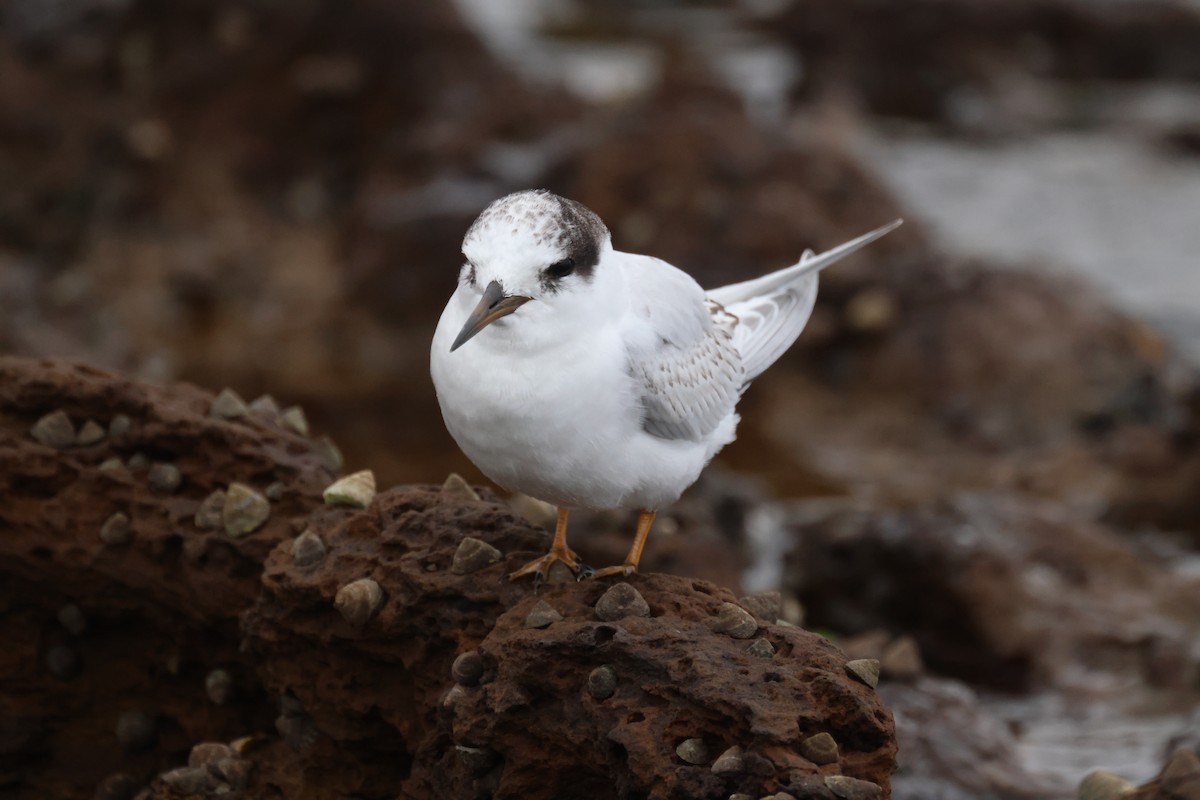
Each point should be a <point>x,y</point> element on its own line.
<point>356,490</point>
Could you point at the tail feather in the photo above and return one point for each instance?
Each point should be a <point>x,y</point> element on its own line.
<point>773,309</point>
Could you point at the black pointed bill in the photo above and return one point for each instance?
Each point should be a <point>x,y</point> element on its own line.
<point>494,305</point>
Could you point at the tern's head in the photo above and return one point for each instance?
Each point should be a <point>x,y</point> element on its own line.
<point>531,247</point>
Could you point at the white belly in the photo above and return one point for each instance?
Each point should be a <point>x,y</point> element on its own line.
<point>563,426</point>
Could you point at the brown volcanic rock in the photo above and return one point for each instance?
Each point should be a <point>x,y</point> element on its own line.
<point>391,719</point>
<point>1002,591</point>
<point>161,607</point>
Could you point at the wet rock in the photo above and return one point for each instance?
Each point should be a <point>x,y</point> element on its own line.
<point>357,490</point>
<point>761,648</point>
<point>1101,785</point>
<point>692,751</point>
<point>228,405</point>
<point>542,615</point>
<point>136,731</point>
<point>620,601</point>
<point>954,747</point>
<point>730,762</point>
<point>90,433</point>
<point>865,670</point>
<point>468,668</point>
<point>117,786</point>
<point>853,788</point>
<point>63,662</point>
<point>164,478</point>
<point>72,619</point>
<point>54,430</point>
<point>1003,573</point>
<point>244,511</point>
<point>210,514</point>
<point>1180,778</point>
<point>293,419</point>
<point>820,749</point>
<point>901,660</point>
<point>602,682</point>
<point>473,555</point>
<point>456,490</point>
<point>735,621</point>
<point>116,529</point>
<point>308,549</point>
<point>219,687</point>
<point>359,600</point>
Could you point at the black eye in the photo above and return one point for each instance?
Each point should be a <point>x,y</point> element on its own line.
<point>561,269</point>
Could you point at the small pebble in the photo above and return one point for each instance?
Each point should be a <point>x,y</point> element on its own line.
<point>468,668</point>
<point>852,788</point>
<point>136,731</point>
<point>275,491</point>
<point>602,682</point>
<point>542,615</point>
<point>820,749</point>
<point>784,796</point>
<point>621,600</point>
<point>208,516</point>
<point>54,430</point>
<point>293,419</point>
<point>729,762</point>
<point>245,744</point>
<point>734,620</point>
<point>245,510</point>
<point>740,796</point>
<point>62,662</point>
<point>265,406</point>
<point>765,605</point>
<point>297,731</point>
<point>89,434</point>
<point>761,648</point>
<point>455,489</point>
<point>120,426</point>
<point>228,405</point>
<point>115,529</point>
<point>473,555</point>
<point>453,697</point>
<point>189,780</point>
<point>901,660</point>
<point>359,600</point>
<point>356,490</point>
<point>1101,785</point>
<point>164,478</point>
<point>209,753</point>
<point>871,311</point>
<point>692,751</point>
<point>111,464</point>
<point>138,461</point>
<point>118,786</point>
<point>72,619</point>
<point>218,685</point>
<point>307,549</point>
<point>328,454</point>
<point>865,669</point>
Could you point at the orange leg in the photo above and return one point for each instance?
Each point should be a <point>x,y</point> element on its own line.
<point>645,520</point>
<point>558,552</point>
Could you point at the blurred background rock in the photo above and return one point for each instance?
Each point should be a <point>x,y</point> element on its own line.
<point>981,462</point>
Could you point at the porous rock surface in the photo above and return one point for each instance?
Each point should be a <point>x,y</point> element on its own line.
<point>369,709</point>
